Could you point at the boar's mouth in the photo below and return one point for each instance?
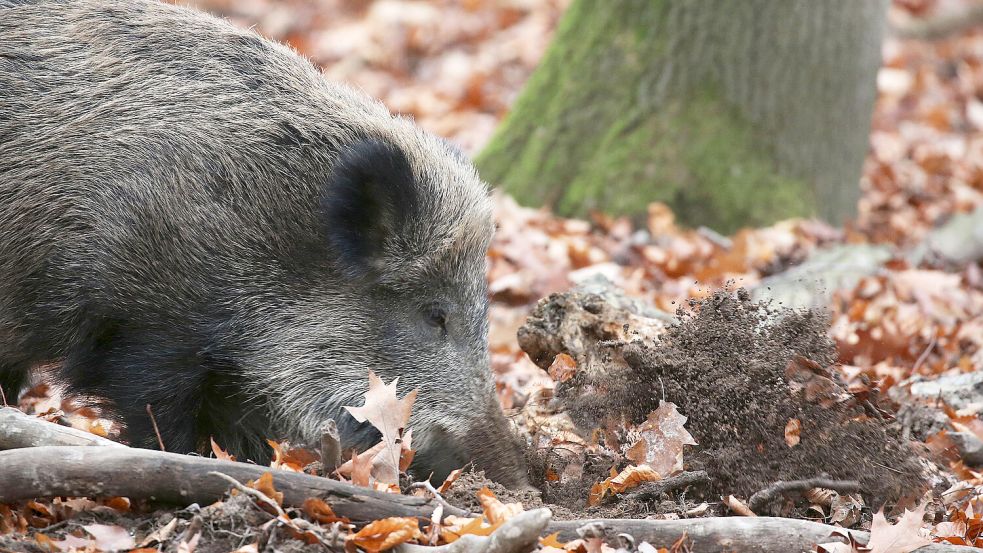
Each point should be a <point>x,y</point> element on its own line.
<point>488,445</point>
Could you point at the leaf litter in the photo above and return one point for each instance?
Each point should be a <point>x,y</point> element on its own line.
<point>907,321</point>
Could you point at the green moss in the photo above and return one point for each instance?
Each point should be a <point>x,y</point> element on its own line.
<point>590,133</point>
<point>696,155</point>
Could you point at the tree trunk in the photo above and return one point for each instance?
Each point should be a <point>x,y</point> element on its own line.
<point>733,113</point>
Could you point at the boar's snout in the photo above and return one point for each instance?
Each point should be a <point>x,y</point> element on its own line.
<point>487,443</point>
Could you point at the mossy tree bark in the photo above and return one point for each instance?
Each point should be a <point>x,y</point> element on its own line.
<point>733,113</point>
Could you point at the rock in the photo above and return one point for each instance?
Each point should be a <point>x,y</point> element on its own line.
<point>958,391</point>
<point>812,283</point>
<point>958,242</point>
<point>970,447</point>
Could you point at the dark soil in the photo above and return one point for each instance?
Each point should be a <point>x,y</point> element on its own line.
<point>740,371</point>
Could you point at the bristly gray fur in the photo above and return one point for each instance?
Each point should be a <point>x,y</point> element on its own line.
<point>163,183</point>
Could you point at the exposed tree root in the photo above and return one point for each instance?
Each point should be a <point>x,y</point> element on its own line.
<point>52,471</point>
<point>19,430</point>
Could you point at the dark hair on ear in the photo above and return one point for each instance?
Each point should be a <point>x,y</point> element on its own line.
<point>369,198</point>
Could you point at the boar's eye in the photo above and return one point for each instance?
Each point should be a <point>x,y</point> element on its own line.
<point>437,317</point>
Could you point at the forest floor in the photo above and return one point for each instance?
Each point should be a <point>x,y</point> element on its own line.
<point>643,363</point>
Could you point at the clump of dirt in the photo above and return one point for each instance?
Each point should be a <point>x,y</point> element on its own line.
<point>464,494</point>
<point>741,371</point>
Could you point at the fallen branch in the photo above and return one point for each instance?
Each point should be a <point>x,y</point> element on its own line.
<point>73,471</point>
<point>651,491</point>
<point>517,535</point>
<point>18,430</point>
<point>52,471</point>
<point>760,499</point>
<point>745,534</point>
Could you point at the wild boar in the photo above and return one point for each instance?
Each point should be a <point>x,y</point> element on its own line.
<point>193,218</point>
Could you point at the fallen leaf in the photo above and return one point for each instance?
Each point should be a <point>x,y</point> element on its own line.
<point>449,481</point>
<point>551,540</point>
<point>161,534</point>
<point>662,439</point>
<point>495,511</point>
<point>386,533</point>
<point>220,453</point>
<point>390,415</point>
<point>562,368</point>
<point>619,482</point>
<point>320,511</point>
<point>264,485</point>
<point>110,537</point>
<point>793,428</point>
<point>455,527</point>
<point>361,470</point>
<point>902,537</point>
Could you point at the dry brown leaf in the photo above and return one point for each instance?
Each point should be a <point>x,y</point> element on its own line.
<point>449,481</point>
<point>320,511</point>
<point>495,511</point>
<point>619,482</point>
<point>552,540</point>
<point>161,534</point>
<point>390,415</point>
<point>903,537</point>
<point>69,543</point>
<point>290,458</point>
<point>221,453</point>
<point>793,429</point>
<point>662,439</point>
<point>455,527</point>
<point>846,510</point>
<point>265,485</point>
<point>386,533</point>
<point>361,469</point>
<point>562,368</point>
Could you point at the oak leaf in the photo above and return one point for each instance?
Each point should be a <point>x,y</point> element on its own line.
<point>662,439</point>
<point>902,537</point>
<point>386,412</point>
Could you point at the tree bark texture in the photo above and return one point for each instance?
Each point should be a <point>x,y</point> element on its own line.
<point>733,113</point>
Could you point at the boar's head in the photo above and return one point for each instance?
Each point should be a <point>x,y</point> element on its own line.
<point>407,224</point>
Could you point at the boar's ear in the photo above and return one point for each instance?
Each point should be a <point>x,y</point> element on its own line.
<point>367,204</point>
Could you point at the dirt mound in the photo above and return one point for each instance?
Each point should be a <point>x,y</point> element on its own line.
<point>743,373</point>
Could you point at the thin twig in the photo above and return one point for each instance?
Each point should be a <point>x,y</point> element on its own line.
<point>921,358</point>
<point>426,485</point>
<point>250,492</point>
<point>762,498</point>
<point>298,525</point>
<point>153,422</point>
<point>3,397</point>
